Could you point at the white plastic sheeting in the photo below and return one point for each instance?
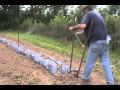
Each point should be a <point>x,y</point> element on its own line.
<point>54,66</point>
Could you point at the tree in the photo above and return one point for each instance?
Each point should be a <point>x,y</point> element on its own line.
<point>52,10</point>
<point>104,12</point>
<point>13,13</point>
<point>9,15</point>
<point>113,9</point>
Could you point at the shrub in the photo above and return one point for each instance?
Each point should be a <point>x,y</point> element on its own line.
<point>113,26</point>
<point>38,28</point>
<point>26,25</point>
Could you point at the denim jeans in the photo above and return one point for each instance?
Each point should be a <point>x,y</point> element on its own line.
<point>98,49</point>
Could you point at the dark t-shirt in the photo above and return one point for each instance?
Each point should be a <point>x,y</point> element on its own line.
<point>98,29</point>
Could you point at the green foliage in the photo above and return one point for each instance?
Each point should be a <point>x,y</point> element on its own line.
<point>60,19</point>
<point>104,12</point>
<point>9,15</point>
<point>113,25</point>
<point>38,28</point>
<point>113,9</point>
<point>56,28</point>
<point>58,25</point>
<point>26,24</point>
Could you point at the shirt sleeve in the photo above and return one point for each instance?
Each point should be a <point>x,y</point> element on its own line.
<point>86,19</point>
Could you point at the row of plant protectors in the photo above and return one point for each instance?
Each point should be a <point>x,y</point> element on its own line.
<point>52,65</point>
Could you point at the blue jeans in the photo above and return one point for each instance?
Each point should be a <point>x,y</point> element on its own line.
<point>98,49</point>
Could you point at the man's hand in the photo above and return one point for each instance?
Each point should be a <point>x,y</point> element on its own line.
<point>74,28</point>
<point>71,28</point>
<point>78,27</point>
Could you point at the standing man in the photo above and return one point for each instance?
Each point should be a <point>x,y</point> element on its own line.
<point>97,42</point>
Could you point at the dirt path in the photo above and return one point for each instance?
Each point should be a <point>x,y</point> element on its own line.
<point>18,69</point>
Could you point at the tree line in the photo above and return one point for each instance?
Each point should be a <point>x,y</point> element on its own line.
<point>54,20</point>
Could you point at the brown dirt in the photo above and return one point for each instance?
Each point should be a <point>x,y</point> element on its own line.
<point>18,69</point>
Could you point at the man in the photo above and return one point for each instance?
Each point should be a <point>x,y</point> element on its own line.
<point>98,46</point>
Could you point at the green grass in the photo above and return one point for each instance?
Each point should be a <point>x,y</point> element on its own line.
<point>115,61</point>
<point>62,47</point>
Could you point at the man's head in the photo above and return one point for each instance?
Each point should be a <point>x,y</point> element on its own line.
<point>86,8</point>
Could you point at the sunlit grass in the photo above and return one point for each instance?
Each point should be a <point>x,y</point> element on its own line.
<point>60,46</point>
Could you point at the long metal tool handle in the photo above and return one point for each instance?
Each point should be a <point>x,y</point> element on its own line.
<point>72,53</point>
<point>76,34</point>
<point>81,62</point>
<point>73,45</point>
<point>73,48</point>
<point>84,49</point>
<point>79,41</point>
<point>75,19</point>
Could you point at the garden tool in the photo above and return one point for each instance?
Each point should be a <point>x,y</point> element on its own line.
<point>84,49</point>
<point>76,33</point>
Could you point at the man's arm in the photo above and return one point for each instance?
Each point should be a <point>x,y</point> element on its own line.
<point>79,26</point>
<point>82,25</point>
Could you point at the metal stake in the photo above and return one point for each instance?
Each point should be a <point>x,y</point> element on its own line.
<point>18,38</point>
